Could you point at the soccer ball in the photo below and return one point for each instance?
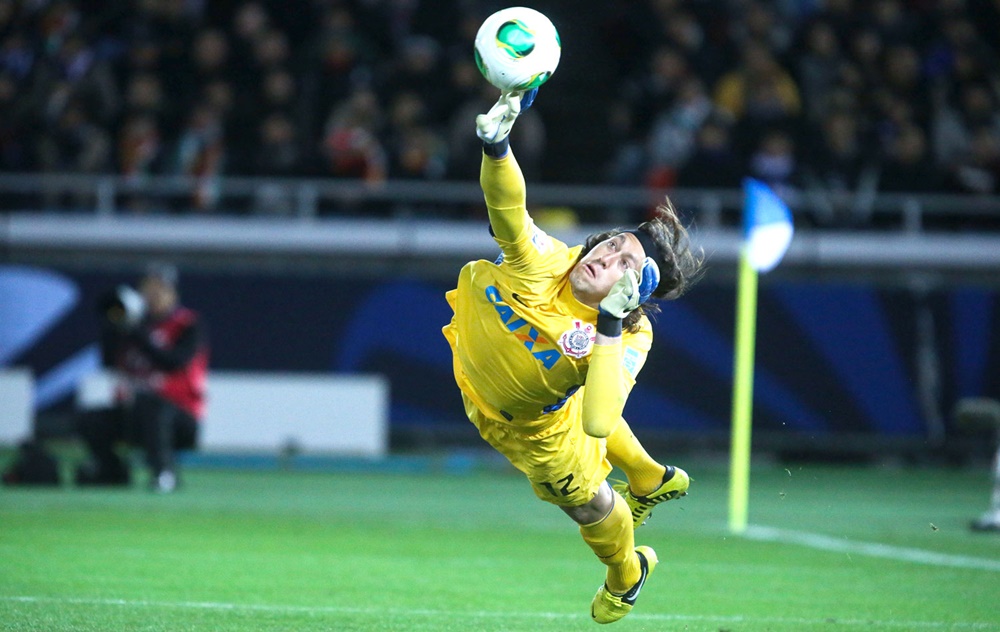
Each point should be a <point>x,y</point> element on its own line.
<point>517,49</point>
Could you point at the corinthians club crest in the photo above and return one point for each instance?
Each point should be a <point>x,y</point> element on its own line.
<point>578,341</point>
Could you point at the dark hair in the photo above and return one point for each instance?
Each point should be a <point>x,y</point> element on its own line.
<point>682,264</point>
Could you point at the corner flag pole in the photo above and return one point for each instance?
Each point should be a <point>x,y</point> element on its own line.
<point>739,456</point>
<point>767,225</point>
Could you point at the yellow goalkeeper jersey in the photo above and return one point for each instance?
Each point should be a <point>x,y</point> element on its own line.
<point>521,341</point>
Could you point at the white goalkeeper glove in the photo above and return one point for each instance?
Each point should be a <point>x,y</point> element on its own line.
<point>626,295</point>
<point>494,126</point>
<point>623,297</point>
<point>632,290</point>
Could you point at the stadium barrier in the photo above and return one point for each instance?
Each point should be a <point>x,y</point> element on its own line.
<point>436,245</point>
<point>17,405</point>
<point>106,195</point>
<point>259,412</point>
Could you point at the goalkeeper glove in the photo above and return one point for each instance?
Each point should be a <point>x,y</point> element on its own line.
<point>650,279</point>
<point>626,295</point>
<point>493,128</point>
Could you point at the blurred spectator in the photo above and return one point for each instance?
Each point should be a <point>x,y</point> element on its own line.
<point>977,172</point>
<point>140,152</point>
<point>683,30</point>
<point>977,107</point>
<point>250,22</point>
<point>420,155</point>
<point>17,57</point>
<point>144,97</point>
<point>893,21</point>
<point>209,62</point>
<point>210,55</point>
<point>279,153</point>
<point>86,87</point>
<point>841,172</point>
<point>774,162</point>
<point>339,58</point>
<point>278,92</point>
<point>863,72</point>
<point>271,51</point>
<point>631,115</point>
<point>758,87</point>
<point>842,15</point>
<point>417,71</point>
<point>220,97</point>
<point>819,69</point>
<point>908,165</point>
<point>414,149</point>
<point>139,146</point>
<point>957,53</point>
<point>903,78</point>
<point>759,23</point>
<point>758,93</point>
<point>15,119</point>
<point>274,93</point>
<point>75,143</point>
<point>76,68</point>
<point>891,117</point>
<point>714,162</point>
<point>199,154</point>
<point>672,137</point>
<point>350,144</point>
<point>671,140</point>
<point>656,89</point>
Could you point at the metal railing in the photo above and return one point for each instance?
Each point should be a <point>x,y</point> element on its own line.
<point>110,195</point>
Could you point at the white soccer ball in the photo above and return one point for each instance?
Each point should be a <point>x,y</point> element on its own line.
<point>517,49</point>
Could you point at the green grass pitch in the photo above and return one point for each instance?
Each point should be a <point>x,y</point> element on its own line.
<point>852,549</point>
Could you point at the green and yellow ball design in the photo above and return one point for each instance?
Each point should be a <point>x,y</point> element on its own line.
<point>515,39</point>
<point>517,49</point>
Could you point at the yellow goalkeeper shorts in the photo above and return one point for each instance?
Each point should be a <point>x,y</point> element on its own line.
<point>564,464</point>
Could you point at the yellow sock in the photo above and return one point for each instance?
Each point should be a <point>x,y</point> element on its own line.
<point>613,542</point>
<point>625,451</point>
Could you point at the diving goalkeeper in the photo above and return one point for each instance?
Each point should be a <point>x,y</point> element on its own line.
<point>547,343</point>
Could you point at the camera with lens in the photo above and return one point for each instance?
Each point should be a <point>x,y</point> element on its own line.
<point>123,307</point>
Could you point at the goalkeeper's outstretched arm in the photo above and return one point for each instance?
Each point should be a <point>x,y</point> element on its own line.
<point>500,176</point>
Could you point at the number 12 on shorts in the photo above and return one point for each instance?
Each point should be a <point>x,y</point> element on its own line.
<point>561,487</point>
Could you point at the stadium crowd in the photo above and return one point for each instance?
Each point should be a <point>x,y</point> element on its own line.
<point>832,95</point>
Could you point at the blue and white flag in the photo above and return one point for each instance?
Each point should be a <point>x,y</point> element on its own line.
<point>767,225</point>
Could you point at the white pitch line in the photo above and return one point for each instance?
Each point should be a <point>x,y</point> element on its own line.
<point>839,545</point>
<point>474,614</point>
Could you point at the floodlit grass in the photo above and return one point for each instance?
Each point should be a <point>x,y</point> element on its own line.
<point>273,550</point>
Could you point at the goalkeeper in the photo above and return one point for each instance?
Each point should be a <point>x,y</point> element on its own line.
<point>547,342</point>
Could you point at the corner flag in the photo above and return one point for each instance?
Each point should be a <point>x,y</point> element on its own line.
<point>767,233</point>
<point>767,225</point>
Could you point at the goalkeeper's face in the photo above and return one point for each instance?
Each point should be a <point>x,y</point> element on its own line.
<point>593,275</point>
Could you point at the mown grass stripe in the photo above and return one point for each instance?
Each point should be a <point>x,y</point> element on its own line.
<point>455,615</point>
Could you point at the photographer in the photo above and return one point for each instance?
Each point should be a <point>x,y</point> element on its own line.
<point>159,351</point>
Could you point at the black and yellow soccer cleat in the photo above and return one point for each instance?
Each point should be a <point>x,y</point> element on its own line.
<point>608,607</point>
<point>675,484</point>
